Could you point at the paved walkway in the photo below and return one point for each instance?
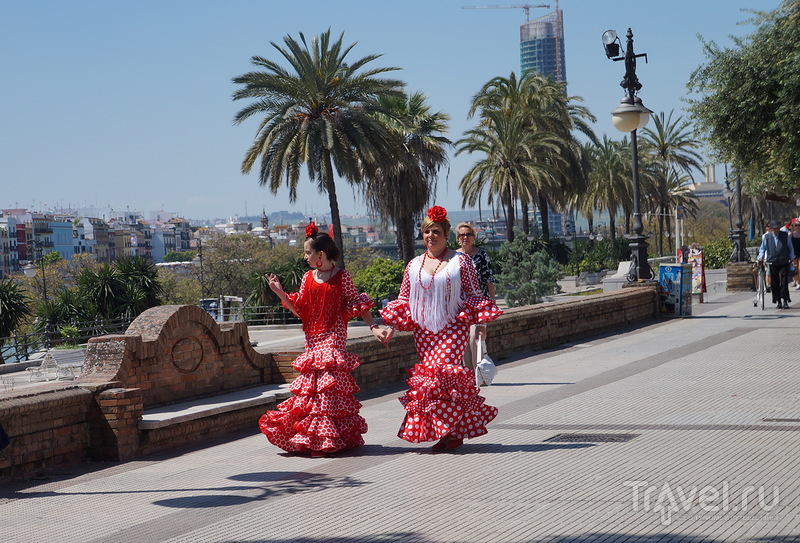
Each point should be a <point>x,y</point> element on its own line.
<point>701,417</point>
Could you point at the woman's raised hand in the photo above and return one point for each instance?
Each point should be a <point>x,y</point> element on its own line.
<point>274,283</point>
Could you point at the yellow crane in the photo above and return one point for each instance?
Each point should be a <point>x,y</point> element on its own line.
<point>524,7</point>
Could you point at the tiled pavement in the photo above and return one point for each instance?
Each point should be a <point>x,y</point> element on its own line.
<point>701,462</point>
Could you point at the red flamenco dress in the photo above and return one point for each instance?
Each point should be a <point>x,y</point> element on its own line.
<point>442,399</point>
<point>322,416</point>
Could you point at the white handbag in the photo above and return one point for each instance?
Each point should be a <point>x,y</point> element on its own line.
<point>485,370</point>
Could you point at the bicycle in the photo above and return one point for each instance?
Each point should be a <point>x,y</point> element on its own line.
<point>761,284</point>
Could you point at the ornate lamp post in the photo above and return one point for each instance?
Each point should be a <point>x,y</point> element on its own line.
<point>198,260</point>
<point>740,253</point>
<point>630,116</point>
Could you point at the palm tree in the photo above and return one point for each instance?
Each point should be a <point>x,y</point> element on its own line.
<point>401,188</point>
<point>104,287</point>
<point>609,185</point>
<point>511,169</point>
<point>318,112</point>
<point>14,307</point>
<point>546,108</point>
<point>675,151</point>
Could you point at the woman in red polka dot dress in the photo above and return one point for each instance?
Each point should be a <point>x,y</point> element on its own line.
<point>439,299</point>
<point>322,416</point>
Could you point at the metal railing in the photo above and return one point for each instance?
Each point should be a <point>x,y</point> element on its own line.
<point>19,347</point>
<point>253,315</point>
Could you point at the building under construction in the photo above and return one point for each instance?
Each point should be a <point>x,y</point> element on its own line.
<point>541,45</point>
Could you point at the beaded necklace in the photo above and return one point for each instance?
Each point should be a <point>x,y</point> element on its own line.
<point>433,275</point>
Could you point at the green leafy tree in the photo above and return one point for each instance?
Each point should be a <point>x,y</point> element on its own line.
<point>319,112</point>
<point>143,289</point>
<point>609,184</point>
<point>182,256</point>
<point>747,101</point>
<point>380,280</point>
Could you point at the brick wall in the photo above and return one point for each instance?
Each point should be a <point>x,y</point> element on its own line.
<point>48,430</point>
<point>173,353</point>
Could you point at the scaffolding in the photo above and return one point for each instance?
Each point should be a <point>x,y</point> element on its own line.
<point>547,29</point>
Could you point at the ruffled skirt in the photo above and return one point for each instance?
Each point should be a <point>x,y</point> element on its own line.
<point>443,400</point>
<point>323,413</point>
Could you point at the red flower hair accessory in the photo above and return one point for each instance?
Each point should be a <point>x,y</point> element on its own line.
<point>311,229</point>
<point>437,214</point>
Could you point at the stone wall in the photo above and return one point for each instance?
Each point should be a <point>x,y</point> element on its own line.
<point>175,353</point>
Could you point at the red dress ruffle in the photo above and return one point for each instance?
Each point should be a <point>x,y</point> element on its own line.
<point>323,413</point>
<point>442,398</point>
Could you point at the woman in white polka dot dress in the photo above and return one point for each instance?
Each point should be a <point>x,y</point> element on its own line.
<point>322,416</point>
<point>439,299</point>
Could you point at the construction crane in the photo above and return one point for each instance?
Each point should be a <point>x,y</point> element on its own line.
<point>525,7</point>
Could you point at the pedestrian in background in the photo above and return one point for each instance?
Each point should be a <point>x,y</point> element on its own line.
<point>795,238</point>
<point>483,267</point>
<point>777,251</point>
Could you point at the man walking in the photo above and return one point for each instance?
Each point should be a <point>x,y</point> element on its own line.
<point>777,250</point>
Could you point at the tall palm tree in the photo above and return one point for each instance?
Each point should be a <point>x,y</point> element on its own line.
<point>402,187</point>
<point>609,186</point>
<point>676,152</point>
<point>317,112</point>
<point>545,106</point>
<point>510,169</point>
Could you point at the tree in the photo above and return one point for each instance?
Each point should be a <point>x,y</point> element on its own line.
<point>674,150</point>
<point>182,256</point>
<point>402,187</point>
<point>527,274</point>
<point>14,309</point>
<point>509,168</point>
<point>14,306</point>
<point>543,107</point>
<point>318,112</point>
<point>609,187</point>
<point>142,287</point>
<point>748,102</point>
<point>380,280</point>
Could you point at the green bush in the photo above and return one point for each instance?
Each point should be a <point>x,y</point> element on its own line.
<point>717,254</point>
<point>526,274</point>
<point>380,279</point>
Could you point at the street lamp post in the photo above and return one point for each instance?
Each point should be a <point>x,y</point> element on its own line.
<point>199,260</point>
<point>30,271</point>
<point>740,253</point>
<point>630,116</point>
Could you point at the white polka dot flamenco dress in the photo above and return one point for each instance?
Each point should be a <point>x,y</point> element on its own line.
<point>323,413</point>
<point>442,398</point>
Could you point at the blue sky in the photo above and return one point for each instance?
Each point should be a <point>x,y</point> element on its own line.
<point>128,104</point>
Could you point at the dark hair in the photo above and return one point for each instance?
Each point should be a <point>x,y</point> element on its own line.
<point>323,242</point>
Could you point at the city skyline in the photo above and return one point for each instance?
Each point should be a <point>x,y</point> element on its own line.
<point>136,109</point>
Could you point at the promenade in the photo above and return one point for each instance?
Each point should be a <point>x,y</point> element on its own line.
<point>680,430</point>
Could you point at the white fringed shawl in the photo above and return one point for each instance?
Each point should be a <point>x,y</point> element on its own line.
<point>435,307</point>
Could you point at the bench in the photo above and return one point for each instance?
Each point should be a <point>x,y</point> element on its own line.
<point>57,364</point>
<point>182,423</point>
<point>620,277</point>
